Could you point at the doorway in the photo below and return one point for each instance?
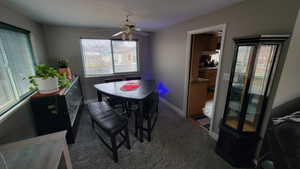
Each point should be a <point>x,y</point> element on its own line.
<point>204,55</point>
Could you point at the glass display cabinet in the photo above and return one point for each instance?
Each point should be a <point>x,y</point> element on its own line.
<point>250,83</point>
<point>58,111</point>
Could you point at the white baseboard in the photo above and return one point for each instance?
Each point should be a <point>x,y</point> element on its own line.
<point>214,135</point>
<point>173,107</point>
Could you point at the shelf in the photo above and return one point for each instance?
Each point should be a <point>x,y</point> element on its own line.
<point>210,52</point>
<point>208,68</point>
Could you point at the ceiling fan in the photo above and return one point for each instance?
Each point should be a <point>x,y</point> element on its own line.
<point>127,30</point>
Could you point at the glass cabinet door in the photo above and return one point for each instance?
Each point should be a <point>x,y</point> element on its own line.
<point>73,99</point>
<point>258,85</point>
<point>237,92</point>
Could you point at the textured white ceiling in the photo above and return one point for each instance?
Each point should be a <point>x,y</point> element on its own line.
<point>148,14</point>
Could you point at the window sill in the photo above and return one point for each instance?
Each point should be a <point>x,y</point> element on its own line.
<point>112,75</point>
<point>10,110</point>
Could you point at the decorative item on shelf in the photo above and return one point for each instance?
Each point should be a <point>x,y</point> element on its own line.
<point>63,67</point>
<point>48,80</point>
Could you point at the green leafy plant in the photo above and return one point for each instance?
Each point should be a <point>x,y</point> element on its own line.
<point>63,81</point>
<point>63,63</point>
<point>45,72</point>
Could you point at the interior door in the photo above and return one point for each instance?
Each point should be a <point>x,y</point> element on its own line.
<point>197,88</point>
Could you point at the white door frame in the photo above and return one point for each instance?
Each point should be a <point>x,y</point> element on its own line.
<point>221,27</point>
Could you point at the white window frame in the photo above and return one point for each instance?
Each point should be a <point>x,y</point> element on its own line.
<point>112,54</point>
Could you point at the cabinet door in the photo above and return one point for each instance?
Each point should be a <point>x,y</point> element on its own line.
<point>259,85</point>
<point>73,100</point>
<point>238,85</point>
<point>197,97</point>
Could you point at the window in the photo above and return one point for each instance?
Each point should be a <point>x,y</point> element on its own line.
<point>106,57</point>
<point>16,63</point>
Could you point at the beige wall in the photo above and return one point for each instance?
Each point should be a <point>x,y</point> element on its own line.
<point>65,41</point>
<point>289,84</point>
<point>247,18</point>
<point>20,124</point>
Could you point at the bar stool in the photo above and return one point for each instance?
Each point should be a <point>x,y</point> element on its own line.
<point>111,123</point>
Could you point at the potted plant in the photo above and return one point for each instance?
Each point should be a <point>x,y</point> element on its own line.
<point>63,67</point>
<point>47,79</point>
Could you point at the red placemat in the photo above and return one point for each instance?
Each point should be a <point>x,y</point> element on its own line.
<point>130,86</point>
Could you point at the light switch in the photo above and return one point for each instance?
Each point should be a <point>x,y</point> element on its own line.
<point>226,76</point>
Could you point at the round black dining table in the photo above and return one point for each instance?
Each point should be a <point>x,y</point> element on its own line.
<point>113,90</point>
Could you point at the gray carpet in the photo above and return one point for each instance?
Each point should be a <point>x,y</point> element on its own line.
<point>176,144</point>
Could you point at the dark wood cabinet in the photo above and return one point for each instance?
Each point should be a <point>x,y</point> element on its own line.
<point>250,84</point>
<point>58,111</point>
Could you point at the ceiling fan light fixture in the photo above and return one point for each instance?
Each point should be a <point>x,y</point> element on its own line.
<point>127,30</point>
<point>130,36</point>
<point>124,36</point>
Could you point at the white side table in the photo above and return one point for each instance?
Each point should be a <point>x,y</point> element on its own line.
<point>44,152</point>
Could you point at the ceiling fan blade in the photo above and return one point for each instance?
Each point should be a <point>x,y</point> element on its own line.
<point>117,34</point>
